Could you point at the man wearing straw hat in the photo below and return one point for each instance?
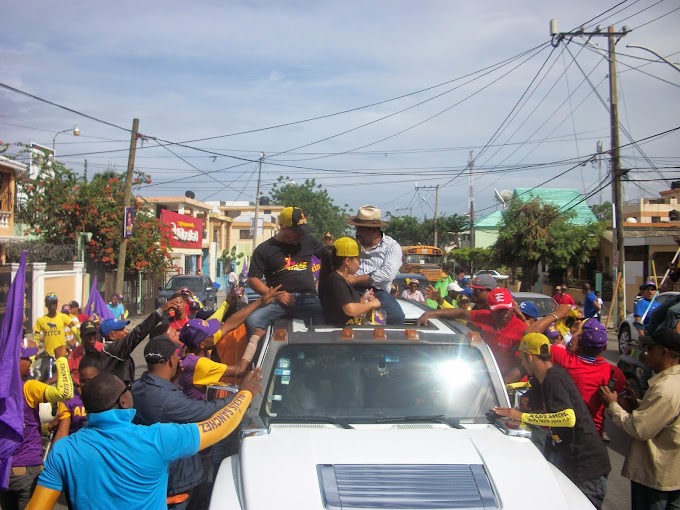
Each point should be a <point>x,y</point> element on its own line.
<point>382,263</point>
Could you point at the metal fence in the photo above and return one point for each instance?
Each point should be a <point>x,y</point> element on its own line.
<point>5,280</point>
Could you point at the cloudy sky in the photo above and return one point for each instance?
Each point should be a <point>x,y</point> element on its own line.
<point>445,74</point>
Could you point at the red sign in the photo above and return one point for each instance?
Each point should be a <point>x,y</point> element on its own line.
<point>183,231</point>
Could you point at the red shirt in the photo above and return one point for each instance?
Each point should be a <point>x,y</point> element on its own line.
<point>502,342</point>
<point>74,358</point>
<point>588,375</point>
<point>564,299</point>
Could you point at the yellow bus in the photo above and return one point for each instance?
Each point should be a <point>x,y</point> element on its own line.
<point>424,260</point>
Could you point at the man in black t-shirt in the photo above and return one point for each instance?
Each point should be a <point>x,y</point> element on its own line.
<point>284,261</point>
<point>574,445</point>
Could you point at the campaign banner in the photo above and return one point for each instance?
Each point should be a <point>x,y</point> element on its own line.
<point>129,222</point>
<point>183,231</point>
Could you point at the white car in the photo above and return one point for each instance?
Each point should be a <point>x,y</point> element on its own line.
<point>493,273</point>
<point>384,417</point>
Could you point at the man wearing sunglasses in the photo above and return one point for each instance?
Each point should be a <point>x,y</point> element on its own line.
<point>653,460</point>
<point>112,463</point>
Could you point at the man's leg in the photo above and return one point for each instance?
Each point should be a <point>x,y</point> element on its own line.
<point>308,307</point>
<point>595,490</point>
<point>256,324</point>
<point>395,315</point>
<point>646,498</point>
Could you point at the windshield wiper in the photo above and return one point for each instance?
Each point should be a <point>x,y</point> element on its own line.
<point>439,418</point>
<point>311,419</point>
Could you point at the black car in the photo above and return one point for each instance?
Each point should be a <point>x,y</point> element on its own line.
<point>201,285</point>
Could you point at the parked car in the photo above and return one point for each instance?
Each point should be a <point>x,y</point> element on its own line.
<point>493,273</point>
<point>628,333</point>
<point>386,417</point>
<point>545,304</point>
<point>201,285</point>
<point>632,364</point>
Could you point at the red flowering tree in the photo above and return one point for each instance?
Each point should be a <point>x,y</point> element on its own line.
<point>58,204</point>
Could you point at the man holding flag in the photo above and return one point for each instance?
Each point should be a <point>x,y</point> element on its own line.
<point>20,440</point>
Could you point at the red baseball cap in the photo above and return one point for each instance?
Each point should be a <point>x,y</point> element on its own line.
<point>499,299</point>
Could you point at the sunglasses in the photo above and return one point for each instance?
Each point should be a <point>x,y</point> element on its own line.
<point>128,387</point>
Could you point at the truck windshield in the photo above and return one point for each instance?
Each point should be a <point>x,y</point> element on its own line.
<point>367,383</point>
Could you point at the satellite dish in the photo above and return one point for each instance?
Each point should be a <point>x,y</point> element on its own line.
<point>503,196</point>
<point>190,194</point>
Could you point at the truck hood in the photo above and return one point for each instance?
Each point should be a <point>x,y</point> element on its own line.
<point>312,466</point>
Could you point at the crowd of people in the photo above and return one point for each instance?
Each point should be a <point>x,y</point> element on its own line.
<point>161,437</point>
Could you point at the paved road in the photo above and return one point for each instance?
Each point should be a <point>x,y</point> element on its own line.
<point>618,490</point>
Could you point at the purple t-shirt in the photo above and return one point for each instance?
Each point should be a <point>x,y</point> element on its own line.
<point>29,452</point>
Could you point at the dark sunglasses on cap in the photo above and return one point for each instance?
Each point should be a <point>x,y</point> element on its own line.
<point>128,387</point>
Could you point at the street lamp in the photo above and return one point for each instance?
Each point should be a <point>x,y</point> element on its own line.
<point>75,130</point>
<point>674,66</point>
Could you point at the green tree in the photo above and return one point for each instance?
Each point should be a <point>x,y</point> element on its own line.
<point>406,230</point>
<point>471,260</point>
<point>321,212</point>
<point>409,230</point>
<point>533,232</point>
<point>603,212</point>
<point>59,204</point>
<point>228,257</point>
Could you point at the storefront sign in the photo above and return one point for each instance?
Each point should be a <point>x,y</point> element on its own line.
<point>183,231</point>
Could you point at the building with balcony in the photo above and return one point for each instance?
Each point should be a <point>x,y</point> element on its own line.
<point>8,172</point>
<point>242,229</point>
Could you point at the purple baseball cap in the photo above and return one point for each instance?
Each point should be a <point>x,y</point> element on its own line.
<point>552,333</point>
<point>593,335</point>
<point>28,352</point>
<point>197,330</point>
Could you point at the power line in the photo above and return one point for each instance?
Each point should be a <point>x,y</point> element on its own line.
<point>655,19</point>
<point>636,13</point>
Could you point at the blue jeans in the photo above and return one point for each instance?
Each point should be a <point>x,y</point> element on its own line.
<point>307,306</point>
<point>643,497</point>
<point>395,315</point>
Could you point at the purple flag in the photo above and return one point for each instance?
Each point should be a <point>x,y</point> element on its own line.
<point>11,387</point>
<point>316,267</point>
<point>244,269</point>
<point>96,307</point>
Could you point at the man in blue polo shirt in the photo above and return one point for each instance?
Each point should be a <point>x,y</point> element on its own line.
<point>112,463</point>
<point>648,289</point>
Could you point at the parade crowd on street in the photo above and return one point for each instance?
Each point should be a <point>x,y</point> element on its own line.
<point>157,442</point>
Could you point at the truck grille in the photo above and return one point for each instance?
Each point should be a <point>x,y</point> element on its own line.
<point>412,487</point>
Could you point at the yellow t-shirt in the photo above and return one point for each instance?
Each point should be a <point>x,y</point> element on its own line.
<point>51,331</point>
<point>207,372</point>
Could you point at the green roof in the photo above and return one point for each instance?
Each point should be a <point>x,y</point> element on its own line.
<point>563,199</point>
<point>492,221</point>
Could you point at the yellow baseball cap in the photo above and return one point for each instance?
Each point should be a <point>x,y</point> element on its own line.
<point>294,218</point>
<point>536,344</point>
<point>347,247</point>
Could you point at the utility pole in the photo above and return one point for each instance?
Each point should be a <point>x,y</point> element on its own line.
<point>619,252</point>
<point>436,206</point>
<point>471,164</point>
<point>257,202</point>
<point>122,251</point>
<point>436,209</point>
<point>618,255</point>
